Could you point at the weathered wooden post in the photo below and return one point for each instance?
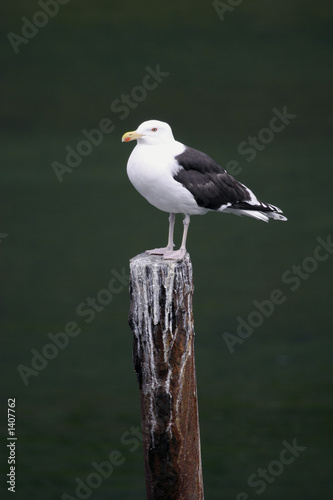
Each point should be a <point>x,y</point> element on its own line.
<point>161,319</point>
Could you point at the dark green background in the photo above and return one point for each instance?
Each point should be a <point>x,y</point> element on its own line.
<point>65,238</point>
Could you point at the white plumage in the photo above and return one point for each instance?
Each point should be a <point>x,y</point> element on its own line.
<point>178,179</point>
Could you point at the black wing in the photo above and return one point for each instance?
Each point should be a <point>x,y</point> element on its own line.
<point>208,182</point>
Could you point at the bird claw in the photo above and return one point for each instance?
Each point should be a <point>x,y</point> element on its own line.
<point>157,251</point>
<point>174,255</point>
<point>168,253</point>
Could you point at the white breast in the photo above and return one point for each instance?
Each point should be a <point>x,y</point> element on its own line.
<point>151,169</point>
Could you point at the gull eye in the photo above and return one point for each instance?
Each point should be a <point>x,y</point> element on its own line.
<point>154,129</point>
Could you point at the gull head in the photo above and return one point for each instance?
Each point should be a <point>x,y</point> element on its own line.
<point>151,132</point>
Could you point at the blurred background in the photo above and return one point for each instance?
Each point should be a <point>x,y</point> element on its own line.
<point>63,236</point>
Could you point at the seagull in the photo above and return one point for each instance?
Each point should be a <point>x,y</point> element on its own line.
<point>179,179</point>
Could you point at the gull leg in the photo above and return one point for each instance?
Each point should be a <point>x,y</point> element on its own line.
<point>169,247</point>
<point>186,223</point>
<point>172,219</point>
<point>179,254</point>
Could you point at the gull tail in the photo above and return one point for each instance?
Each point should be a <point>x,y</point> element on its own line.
<point>260,210</point>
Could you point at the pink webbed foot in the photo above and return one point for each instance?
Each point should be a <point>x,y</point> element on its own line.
<point>174,254</point>
<point>158,251</point>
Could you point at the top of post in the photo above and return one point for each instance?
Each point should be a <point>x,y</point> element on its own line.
<point>154,281</point>
<point>143,259</point>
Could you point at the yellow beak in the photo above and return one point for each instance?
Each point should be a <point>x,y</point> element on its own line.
<point>130,136</point>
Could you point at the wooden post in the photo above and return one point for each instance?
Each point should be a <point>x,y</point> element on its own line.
<point>161,319</point>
